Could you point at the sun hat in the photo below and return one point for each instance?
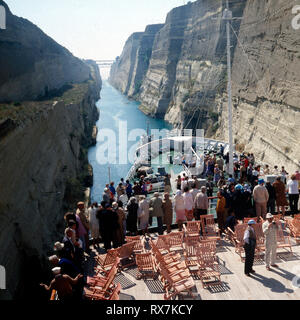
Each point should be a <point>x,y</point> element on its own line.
<point>239,187</point>
<point>269,216</point>
<point>58,246</point>
<point>251,222</point>
<point>56,270</point>
<point>115,205</point>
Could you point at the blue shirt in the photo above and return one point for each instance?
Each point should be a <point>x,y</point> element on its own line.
<point>112,190</point>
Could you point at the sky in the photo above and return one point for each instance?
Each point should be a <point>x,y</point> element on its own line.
<point>93,29</point>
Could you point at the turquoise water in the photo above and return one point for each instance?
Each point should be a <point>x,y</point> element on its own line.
<point>115,107</point>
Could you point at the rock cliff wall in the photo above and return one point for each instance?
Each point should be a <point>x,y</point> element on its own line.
<point>128,71</point>
<point>266,85</point>
<point>32,64</point>
<point>43,160</point>
<point>186,81</point>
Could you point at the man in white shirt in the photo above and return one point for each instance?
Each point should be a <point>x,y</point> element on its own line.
<point>293,191</point>
<point>194,191</point>
<point>270,231</point>
<point>249,246</point>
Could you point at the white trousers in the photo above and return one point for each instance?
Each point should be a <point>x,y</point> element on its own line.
<point>270,255</point>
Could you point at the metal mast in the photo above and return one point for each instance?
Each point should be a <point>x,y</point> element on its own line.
<point>227,16</point>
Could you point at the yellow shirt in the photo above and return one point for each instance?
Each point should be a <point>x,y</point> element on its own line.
<point>221,205</point>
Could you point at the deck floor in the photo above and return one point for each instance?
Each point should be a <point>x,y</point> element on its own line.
<point>263,285</point>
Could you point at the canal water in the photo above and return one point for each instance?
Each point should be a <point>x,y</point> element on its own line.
<point>115,107</point>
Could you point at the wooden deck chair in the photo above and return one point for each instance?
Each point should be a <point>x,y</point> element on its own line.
<point>190,255</point>
<point>162,244</point>
<point>157,252</point>
<point>99,280</point>
<point>146,266</point>
<point>115,295</point>
<point>175,288</point>
<point>294,226</point>
<point>175,241</point>
<point>230,236</point>
<point>106,261</point>
<point>209,228</point>
<point>112,294</point>
<point>125,253</point>
<point>100,292</point>
<point>192,239</point>
<point>239,238</point>
<point>105,283</point>
<point>209,272</point>
<point>170,258</point>
<point>282,240</point>
<point>192,228</point>
<point>260,239</point>
<point>209,245</point>
<point>139,243</point>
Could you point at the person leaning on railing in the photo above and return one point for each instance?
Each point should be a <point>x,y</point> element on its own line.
<point>63,284</point>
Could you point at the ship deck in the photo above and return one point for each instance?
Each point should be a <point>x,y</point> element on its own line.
<point>263,285</point>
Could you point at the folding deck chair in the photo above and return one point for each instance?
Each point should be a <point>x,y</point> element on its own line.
<point>192,228</point>
<point>96,292</point>
<point>175,241</point>
<point>175,288</point>
<point>282,240</point>
<point>209,272</point>
<point>209,228</point>
<point>162,244</point>
<point>294,226</point>
<point>139,244</point>
<point>146,266</point>
<point>99,280</point>
<point>126,255</point>
<point>106,261</point>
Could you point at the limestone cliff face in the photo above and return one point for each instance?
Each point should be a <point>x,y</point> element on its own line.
<point>41,159</point>
<point>122,69</point>
<point>266,85</point>
<point>32,64</point>
<point>143,58</point>
<point>128,71</point>
<point>186,81</point>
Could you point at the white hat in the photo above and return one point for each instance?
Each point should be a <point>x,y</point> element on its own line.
<point>58,246</point>
<point>251,222</point>
<point>269,216</point>
<point>115,205</point>
<point>56,270</point>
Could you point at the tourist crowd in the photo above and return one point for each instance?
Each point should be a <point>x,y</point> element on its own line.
<point>126,208</point>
